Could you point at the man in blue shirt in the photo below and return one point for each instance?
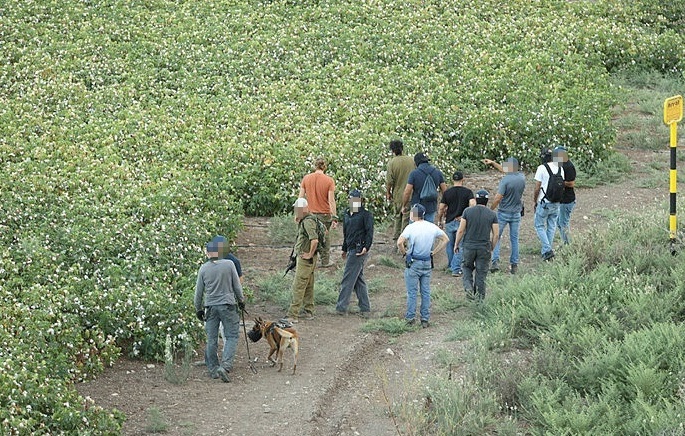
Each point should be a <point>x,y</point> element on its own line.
<point>508,204</point>
<point>419,241</point>
<point>412,192</point>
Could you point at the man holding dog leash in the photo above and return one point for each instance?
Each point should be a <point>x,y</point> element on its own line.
<point>218,297</point>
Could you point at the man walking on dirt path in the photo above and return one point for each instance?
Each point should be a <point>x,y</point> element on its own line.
<point>319,190</point>
<point>357,240</point>
<point>546,209</point>
<point>509,205</point>
<point>454,201</point>
<point>568,199</point>
<point>415,183</point>
<point>480,232</point>
<point>305,250</point>
<point>218,297</point>
<point>399,168</point>
<point>419,241</point>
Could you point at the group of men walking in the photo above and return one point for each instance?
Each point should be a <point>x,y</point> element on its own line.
<point>427,217</point>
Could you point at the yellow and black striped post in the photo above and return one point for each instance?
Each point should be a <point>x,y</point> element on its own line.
<point>673,113</point>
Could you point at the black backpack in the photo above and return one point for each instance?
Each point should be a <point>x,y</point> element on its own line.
<point>555,186</point>
<point>429,192</point>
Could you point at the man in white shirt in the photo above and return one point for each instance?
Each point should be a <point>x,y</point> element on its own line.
<point>546,209</point>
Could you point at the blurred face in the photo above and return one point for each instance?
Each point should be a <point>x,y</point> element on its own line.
<point>510,167</point>
<point>560,156</point>
<point>355,204</point>
<point>300,212</point>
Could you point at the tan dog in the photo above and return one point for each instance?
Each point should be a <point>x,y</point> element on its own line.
<point>280,335</point>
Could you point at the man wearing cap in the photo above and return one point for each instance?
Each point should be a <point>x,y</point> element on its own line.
<point>419,241</point>
<point>357,239</point>
<point>218,296</point>
<point>568,199</point>
<point>509,204</point>
<point>452,205</point>
<point>399,168</point>
<point>319,190</point>
<point>412,192</point>
<point>305,249</point>
<point>546,212</point>
<point>479,231</point>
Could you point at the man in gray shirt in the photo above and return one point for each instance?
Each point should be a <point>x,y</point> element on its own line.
<point>508,204</point>
<point>218,296</point>
<point>480,233</point>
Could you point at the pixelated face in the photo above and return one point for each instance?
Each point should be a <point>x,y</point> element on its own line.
<point>510,167</point>
<point>559,156</point>
<point>355,204</point>
<point>300,212</point>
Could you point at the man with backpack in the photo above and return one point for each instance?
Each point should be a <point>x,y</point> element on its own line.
<point>309,232</point>
<point>568,200</point>
<point>549,188</point>
<point>422,187</point>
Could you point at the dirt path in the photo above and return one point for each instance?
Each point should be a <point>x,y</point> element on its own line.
<point>347,381</point>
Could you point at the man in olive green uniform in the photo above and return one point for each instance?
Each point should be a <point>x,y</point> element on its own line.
<point>305,249</point>
<point>399,168</point>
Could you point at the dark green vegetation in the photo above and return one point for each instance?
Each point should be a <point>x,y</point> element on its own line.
<point>132,131</point>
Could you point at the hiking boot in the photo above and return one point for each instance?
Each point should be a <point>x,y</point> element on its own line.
<point>425,324</point>
<point>221,373</point>
<point>457,273</point>
<point>495,266</point>
<point>548,255</point>
<point>513,268</point>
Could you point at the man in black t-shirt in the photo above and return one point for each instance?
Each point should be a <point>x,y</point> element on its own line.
<point>454,201</point>
<point>480,232</point>
<point>568,199</point>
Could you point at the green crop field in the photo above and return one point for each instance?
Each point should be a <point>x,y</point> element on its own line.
<point>133,130</point>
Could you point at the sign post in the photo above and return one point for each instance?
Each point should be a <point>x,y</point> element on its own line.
<point>673,114</point>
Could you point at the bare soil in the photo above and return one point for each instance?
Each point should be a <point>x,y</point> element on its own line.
<point>347,382</point>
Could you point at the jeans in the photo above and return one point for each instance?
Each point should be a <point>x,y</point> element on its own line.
<point>477,259</point>
<point>453,259</point>
<point>546,224</point>
<point>564,221</point>
<point>514,221</point>
<point>303,287</point>
<point>417,279</point>
<point>353,279</point>
<point>228,316</point>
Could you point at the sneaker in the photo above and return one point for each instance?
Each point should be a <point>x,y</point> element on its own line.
<point>221,373</point>
<point>513,268</point>
<point>425,324</point>
<point>548,255</point>
<point>495,266</point>
<point>458,273</point>
<point>410,322</point>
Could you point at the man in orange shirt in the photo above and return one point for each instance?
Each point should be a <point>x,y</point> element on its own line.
<point>319,190</point>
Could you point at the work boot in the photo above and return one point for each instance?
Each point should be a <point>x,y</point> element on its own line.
<point>513,268</point>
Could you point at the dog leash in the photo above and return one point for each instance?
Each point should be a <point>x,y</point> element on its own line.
<point>249,359</point>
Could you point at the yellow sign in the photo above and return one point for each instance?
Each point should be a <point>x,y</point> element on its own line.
<point>673,109</point>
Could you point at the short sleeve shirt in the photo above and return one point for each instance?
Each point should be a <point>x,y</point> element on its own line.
<point>457,199</point>
<point>306,232</point>
<point>569,195</point>
<point>420,236</point>
<point>417,179</point>
<point>542,176</point>
<point>316,187</point>
<point>479,221</point>
<point>511,189</point>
